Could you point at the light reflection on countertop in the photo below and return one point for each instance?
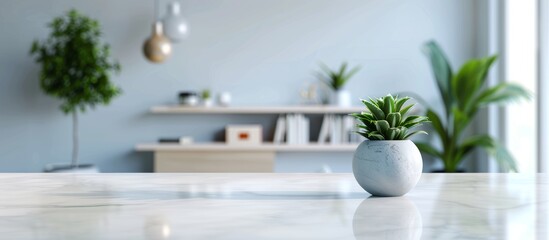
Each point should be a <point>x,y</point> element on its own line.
<point>270,206</point>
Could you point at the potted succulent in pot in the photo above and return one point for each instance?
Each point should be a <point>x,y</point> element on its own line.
<point>463,94</point>
<point>388,164</point>
<point>207,100</point>
<point>336,80</point>
<point>76,68</point>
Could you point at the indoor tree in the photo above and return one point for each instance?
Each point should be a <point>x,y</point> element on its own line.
<point>463,94</point>
<point>76,67</point>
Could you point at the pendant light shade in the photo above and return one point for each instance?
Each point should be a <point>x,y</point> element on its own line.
<point>175,26</point>
<point>157,47</point>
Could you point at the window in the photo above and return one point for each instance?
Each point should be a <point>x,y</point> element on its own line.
<point>520,46</point>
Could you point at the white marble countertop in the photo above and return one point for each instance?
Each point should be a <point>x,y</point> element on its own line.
<point>270,206</point>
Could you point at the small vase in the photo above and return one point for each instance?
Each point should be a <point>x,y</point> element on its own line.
<point>224,99</point>
<point>341,98</point>
<point>387,168</point>
<point>208,102</point>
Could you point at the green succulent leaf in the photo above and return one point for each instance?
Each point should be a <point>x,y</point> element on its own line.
<point>382,126</point>
<point>384,119</point>
<point>388,104</point>
<point>336,79</point>
<point>400,102</point>
<point>414,133</point>
<point>392,133</point>
<point>406,109</point>
<point>394,119</point>
<point>375,110</point>
<point>375,136</point>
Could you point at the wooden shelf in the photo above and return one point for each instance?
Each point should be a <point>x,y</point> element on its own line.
<point>222,147</point>
<point>175,109</point>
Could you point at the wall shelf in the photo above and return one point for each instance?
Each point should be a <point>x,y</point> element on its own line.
<point>175,109</point>
<point>265,147</point>
<point>221,157</point>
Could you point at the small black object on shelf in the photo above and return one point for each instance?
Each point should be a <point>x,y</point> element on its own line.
<point>169,140</point>
<point>188,98</point>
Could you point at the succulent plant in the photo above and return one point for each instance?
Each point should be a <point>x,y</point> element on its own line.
<point>387,119</point>
<point>336,79</point>
<point>206,94</point>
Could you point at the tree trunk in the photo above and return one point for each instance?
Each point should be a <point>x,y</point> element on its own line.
<point>75,138</point>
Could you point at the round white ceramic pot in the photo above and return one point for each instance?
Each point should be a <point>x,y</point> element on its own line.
<point>387,168</point>
<point>341,98</point>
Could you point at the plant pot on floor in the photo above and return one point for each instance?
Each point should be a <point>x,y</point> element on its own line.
<point>387,168</point>
<point>69,168</point>
<point>341,98</point>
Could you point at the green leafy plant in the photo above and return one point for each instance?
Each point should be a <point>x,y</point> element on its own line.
<point>387,119</point>
<point>206,94</point>
<point>76,67</point>
<point>463,94</point>
<point>336,79</point>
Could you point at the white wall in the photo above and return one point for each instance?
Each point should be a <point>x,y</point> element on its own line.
<point>263,52</point>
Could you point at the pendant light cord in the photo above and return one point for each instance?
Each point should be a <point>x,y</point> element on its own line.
<point>156,10</point>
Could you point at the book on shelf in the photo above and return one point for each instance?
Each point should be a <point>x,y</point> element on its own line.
<point>292,129</point>
<point>295,129</point>
<point>324,128</point>
<point>338,130</point>
<point>280,130</point>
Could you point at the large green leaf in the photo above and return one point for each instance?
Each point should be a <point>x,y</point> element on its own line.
<point>495,149</point>
<point>461,121</point>
<point>469,80</point>
<point>428,149</point>
<point>442,71</point>
<point>438,126</point>
<point>502,93</point>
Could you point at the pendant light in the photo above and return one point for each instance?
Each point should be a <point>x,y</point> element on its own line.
<point>175,26</point>
<point>157,47</point>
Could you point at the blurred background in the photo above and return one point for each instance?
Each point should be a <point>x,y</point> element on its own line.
<point>237,81</point>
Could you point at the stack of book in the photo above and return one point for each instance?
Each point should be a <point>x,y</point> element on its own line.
<point>338,130</point>
<point>294,128</point>
<point>335,129</point>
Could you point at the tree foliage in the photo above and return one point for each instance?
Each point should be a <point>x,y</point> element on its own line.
<point>75,65</point>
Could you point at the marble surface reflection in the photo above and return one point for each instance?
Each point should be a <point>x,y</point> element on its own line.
<point>387,218</point>
<point>270,206</point>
